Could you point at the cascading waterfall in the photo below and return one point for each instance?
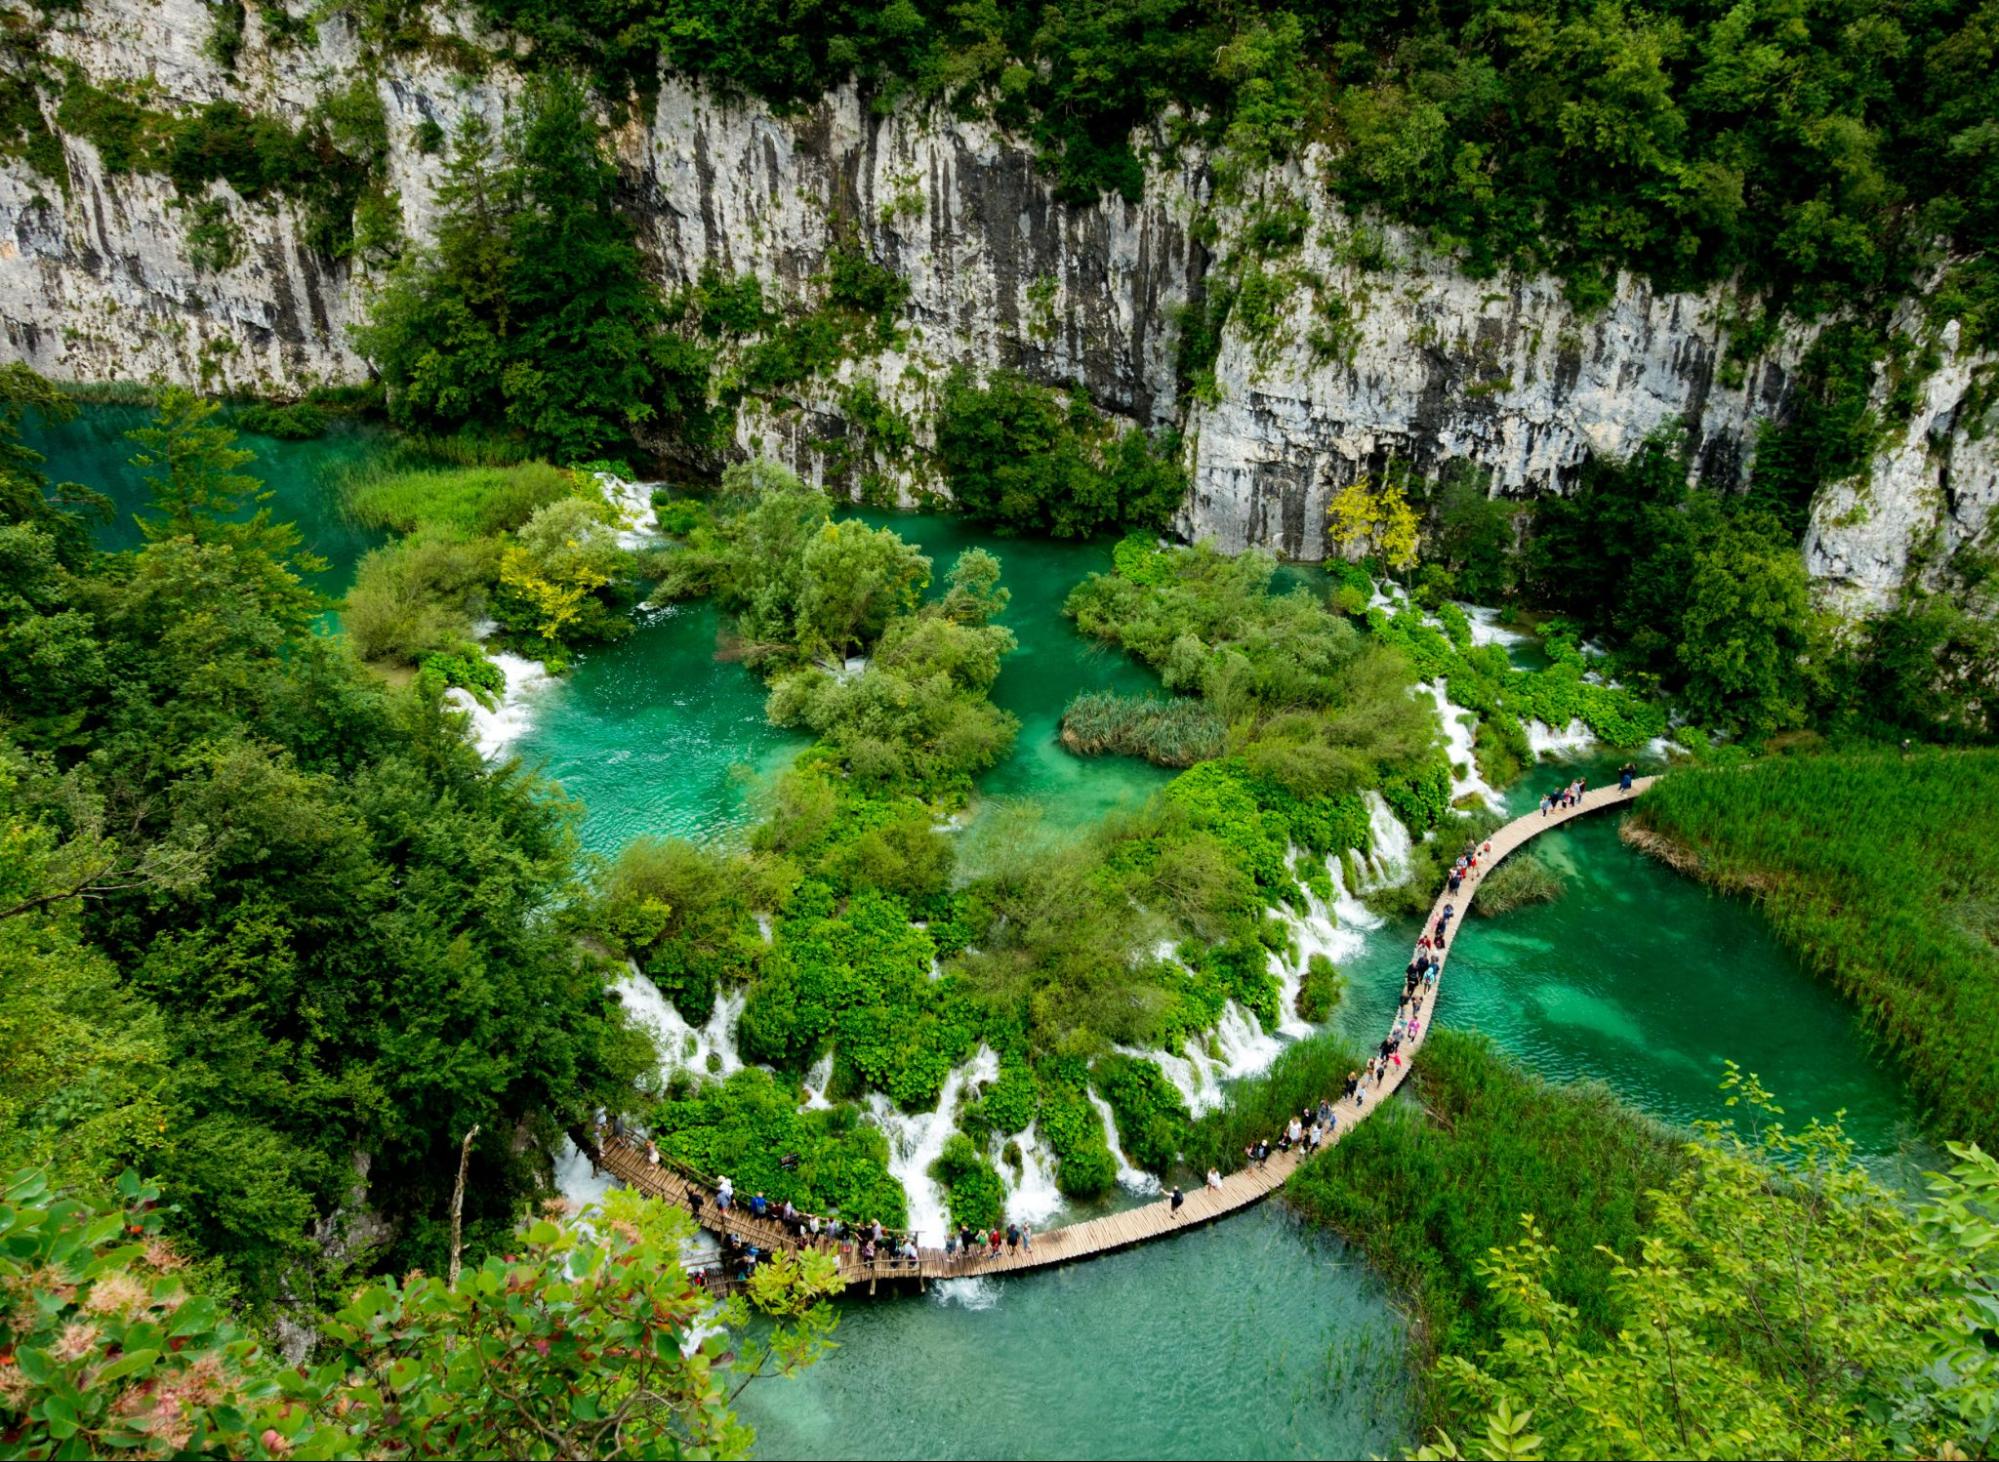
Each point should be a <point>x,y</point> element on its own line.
<point>1388,863</point>
<point>709,1051</point>
<point>1487,630</point>
<point>915,1142</point>
<point>1129,1178</point>
<point>816,1082</point>
<point>576,1179</point>
<point>496,729</point>
<point>1032,1197</point>
<point>1458,722</point>
<point>638,523</point>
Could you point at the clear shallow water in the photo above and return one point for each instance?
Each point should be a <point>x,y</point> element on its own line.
<point>1250,1338</point>
<point>1644,980</point>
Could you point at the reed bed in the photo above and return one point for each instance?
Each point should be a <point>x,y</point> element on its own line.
<point>1173,732</point>
<point>1882,871</point>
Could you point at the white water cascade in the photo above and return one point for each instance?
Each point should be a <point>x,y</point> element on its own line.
<point>1458,723</point>
<point>1487,630</point>
<point>1545,741</point>
<point>915,1142</point>
<point>494,730</point>
<point>1388,863</point>
<point>708,1051</point>
<point>816,1082</point>
<point>576,1180</point>
<point>1129,1178</point>
<point>1032,1197</point>
<point>638,524</point>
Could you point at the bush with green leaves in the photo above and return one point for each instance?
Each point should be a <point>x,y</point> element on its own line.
<point>1026,458</point>
<point>584,1339</point>
<point>749,1128</point>
<point>973,1190</point>
<point>1151,1116</point>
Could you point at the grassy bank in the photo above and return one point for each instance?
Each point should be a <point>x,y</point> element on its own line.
<point>1429,1185</point>
<point>1880,870</point>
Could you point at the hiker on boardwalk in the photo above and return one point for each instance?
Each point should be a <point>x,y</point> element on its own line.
<point>1178,1199</point>
<point>1215,1178</point>
<point>1625,775</point>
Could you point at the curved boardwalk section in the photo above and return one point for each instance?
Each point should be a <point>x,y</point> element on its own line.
<point>1135,1225</point>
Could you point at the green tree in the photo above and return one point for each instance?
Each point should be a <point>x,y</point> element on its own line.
<point>854,578</point>
<point>1747,632</point>
<point>533,314</point>
<point>1780,1304</point>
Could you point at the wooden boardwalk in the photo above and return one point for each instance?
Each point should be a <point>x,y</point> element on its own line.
<point>1154,1220</point>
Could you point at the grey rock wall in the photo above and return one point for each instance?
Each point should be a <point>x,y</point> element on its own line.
<point>1434,367</point>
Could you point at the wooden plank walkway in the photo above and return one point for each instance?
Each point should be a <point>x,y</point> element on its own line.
<point>1154,1220</point>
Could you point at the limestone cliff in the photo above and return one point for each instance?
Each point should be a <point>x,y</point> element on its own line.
<point>1419,362</point>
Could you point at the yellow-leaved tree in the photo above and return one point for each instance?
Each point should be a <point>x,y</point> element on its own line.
<point>1369,518</point>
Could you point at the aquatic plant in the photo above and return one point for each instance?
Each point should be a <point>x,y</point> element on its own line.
<point>1175,732</point>
<point>1878,869</point>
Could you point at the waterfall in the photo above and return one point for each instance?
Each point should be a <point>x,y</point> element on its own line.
<point>1241,1043</point>
<point>576,1180</point>
<point>709,1051</point>
<point>1192,1074</point>
<point>1571,740</point>
<point>1389,861</point>
<point>638,523</point>
<point>1465,780</point>
<point>1129,1178</point>
<point>816,1082</point>
<point>493,731</point>
<point>1033,1198</point>
<point>1487,630</point>
<point>915,1142</point>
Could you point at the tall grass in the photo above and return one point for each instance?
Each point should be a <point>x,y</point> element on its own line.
<point>1443,1174</point>
<point>1173,732</point>
<point>1882,871</point>
<point>1305,1072</point>
<point>469,502</point>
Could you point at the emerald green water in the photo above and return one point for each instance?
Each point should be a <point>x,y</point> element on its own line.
<point>655,735</point>
<point>302,477</point>
<point>1254,1337</point>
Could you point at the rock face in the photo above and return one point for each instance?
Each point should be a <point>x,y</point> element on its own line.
<point>1428,366</point>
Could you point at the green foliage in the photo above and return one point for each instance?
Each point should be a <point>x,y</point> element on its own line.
<point>418,597</point>
<point>1703,597</point>
<point>112,1352</point>
<point>858,977</point>
<point>1022,456</point>
<point>1151,1117</point>
<point>1521,880</point>
<point>466,501</point>
<point>1166,732</point>
<point>1084,1166</point>
<point>25,133</point>
<point>749,1127</point>
<point>295,421</point>
<point>532,313</point>
<point>1804,1316</point>
<point>687,915</point>
<point>1428,1187</point>
<point>332,921</point>
<point>1318,713</point>
<point>973,1191</point>
<point>1322,991</point>
<point>1868,865</point>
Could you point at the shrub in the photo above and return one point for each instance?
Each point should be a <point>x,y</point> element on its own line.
<point>1166,732</point>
